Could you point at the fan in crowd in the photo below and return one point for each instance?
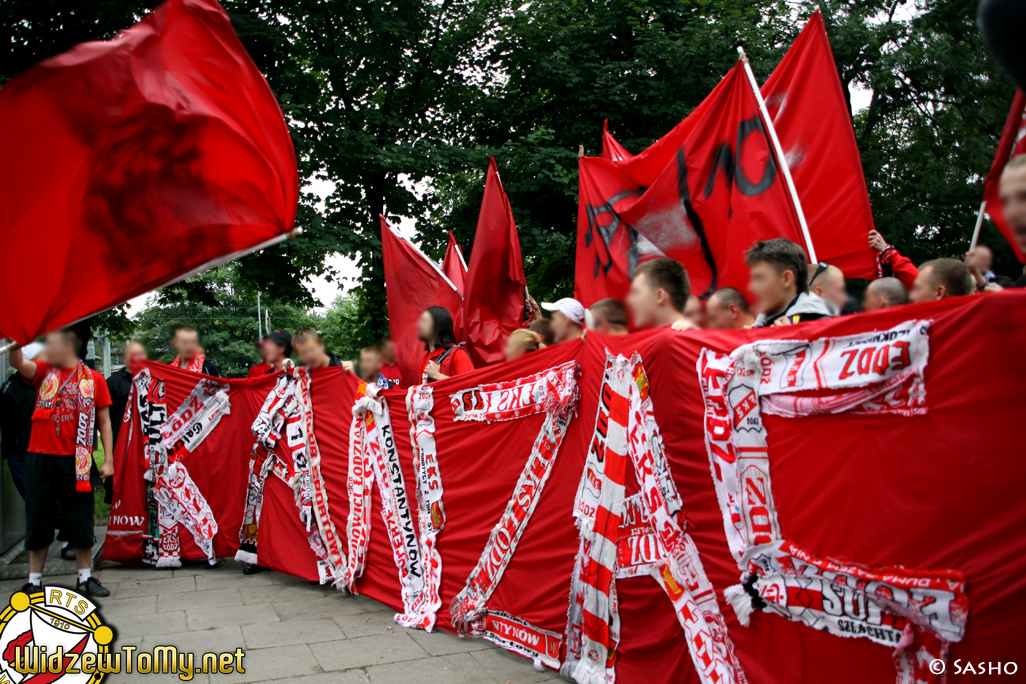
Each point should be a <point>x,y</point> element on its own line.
<point>190,354</point>
<point>727,309</point>
<point>520,342</point>
<point>309,348</point>
<point>443,357</point>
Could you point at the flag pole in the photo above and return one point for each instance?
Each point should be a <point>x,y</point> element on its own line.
<point>979,224</point>
<point>779,151</point>
<point>7,347</point>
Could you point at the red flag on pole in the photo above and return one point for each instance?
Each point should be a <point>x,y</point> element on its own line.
<point>134,162</point>
<point>454,267</point>
<point>1013,143</point>
<point>809,112</point>
<point>611,149</point>
<point>493,305</point>
<point>702,194</point>
<point>412,283</point>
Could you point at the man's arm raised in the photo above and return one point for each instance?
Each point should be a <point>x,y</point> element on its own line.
<point>19,363</point>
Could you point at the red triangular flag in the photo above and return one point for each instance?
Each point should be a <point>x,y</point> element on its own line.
<point>1013,143</point>
<point>412,283</point>
<point>809,112</point>
<point>134,162</point>
<point>493,304</point>
<point>454,267</point>
<point>611,149</point>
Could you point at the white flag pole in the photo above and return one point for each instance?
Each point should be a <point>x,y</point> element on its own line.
<point>979,224</point>
<point>779,151</point>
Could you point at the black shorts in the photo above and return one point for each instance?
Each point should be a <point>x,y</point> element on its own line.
<point>49,483</point>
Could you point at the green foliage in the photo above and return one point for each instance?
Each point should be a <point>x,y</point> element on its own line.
<point>341,330</point>
<point>224,315</point>
<point>400,104</point>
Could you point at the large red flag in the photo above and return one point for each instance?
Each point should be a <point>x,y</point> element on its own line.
<point>809,112</point>
<point>134,162</point>
<point>702,194</point>
<point>611,148</point>
<point>453,266</point>
<point>493,303</point>
<point>412,283</point>
<point>1013,143</point>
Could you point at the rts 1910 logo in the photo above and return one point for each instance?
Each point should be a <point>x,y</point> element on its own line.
<point>53,635</point>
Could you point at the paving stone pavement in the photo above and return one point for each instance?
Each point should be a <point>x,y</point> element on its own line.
<point>292,631</point>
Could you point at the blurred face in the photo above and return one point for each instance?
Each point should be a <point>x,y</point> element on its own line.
<point>60,350</point>
<point>832,288</point>
<point>694,312</point>
<point>1013,200</point>
<point>925,289</point>
<point>873,301</point>
<point>272,352</point>
<point>772,290</point>
<point>718,316</point>
<point>563,328</point>
<point>134,353</point>
<point>644,302</point>
<point>514,350</point>
<point>984,258</point>
<point>311,353</point>
<point>370,365</point>
<point>426,328</point>
<point>387,352</point>
<point>186,343</point>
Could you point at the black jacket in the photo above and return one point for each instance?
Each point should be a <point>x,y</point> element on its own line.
<point>210,367</point>
<point>119,384</point>
<point>17,402</point>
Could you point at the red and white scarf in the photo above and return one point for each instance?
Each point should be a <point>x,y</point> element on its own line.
<point>75,394</point>
<point>880,372</point>
<point>555,393</point>
<point>626,432</point>
<point>195,364</point>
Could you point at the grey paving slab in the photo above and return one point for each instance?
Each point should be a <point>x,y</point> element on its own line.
<point>270,634</point>
<point>458,668</point>
<point>380,649</point>
<point>215,598</point>
<point>133,627</point>
<point>276,593</point>
<point>205,618</point>
<point>439,643</point>
<point>504,666</point>
<point>130,588</point>
<point>325,607</point>
<point>367,624</point>
<point>221,578</point>
<point>347,677</point>
<point>217,640</point>
<point>269,664</point>
<point>113,609</point>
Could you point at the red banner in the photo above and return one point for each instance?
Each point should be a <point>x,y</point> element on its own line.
<point>131,163</point>
<point>820,469</point>
<point>1013,143</point>
<point>454,267</point>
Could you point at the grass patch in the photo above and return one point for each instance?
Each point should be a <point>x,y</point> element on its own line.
<point>101,513</point>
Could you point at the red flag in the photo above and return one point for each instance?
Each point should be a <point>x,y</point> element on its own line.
<point>1013,143</point>
<point>134,162</point>
<point>809,112</point>
<point>412,283</point>
<point>494,303</point>
<point>454,267</point>
<point>702,194</point>
<point>611,149</point>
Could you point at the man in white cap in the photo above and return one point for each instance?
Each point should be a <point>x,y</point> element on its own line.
<point>567,318</point>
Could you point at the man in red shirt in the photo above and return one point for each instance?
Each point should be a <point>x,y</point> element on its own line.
<point>443,358</point>
<point>71,399</point>
<point>389,370</point>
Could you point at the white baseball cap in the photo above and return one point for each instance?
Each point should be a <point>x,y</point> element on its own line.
<point>32,350</point>
<point>569,307</point>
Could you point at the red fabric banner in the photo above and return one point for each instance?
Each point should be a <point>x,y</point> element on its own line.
<point>134,162</point>
<point>864,487</point>
<point>412,283</point>
<point>702,194</point>
<point>1013,143</point>
<point>453,266</point>
<point>812,120</point>
<point>494,303</point>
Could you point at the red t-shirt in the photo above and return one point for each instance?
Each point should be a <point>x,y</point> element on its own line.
<point>259,369</point>
<point>49,437</point>
<point>390,372</point>
<point>456,363</point>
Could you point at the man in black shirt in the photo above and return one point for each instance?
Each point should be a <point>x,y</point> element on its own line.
<point>17,402</point>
